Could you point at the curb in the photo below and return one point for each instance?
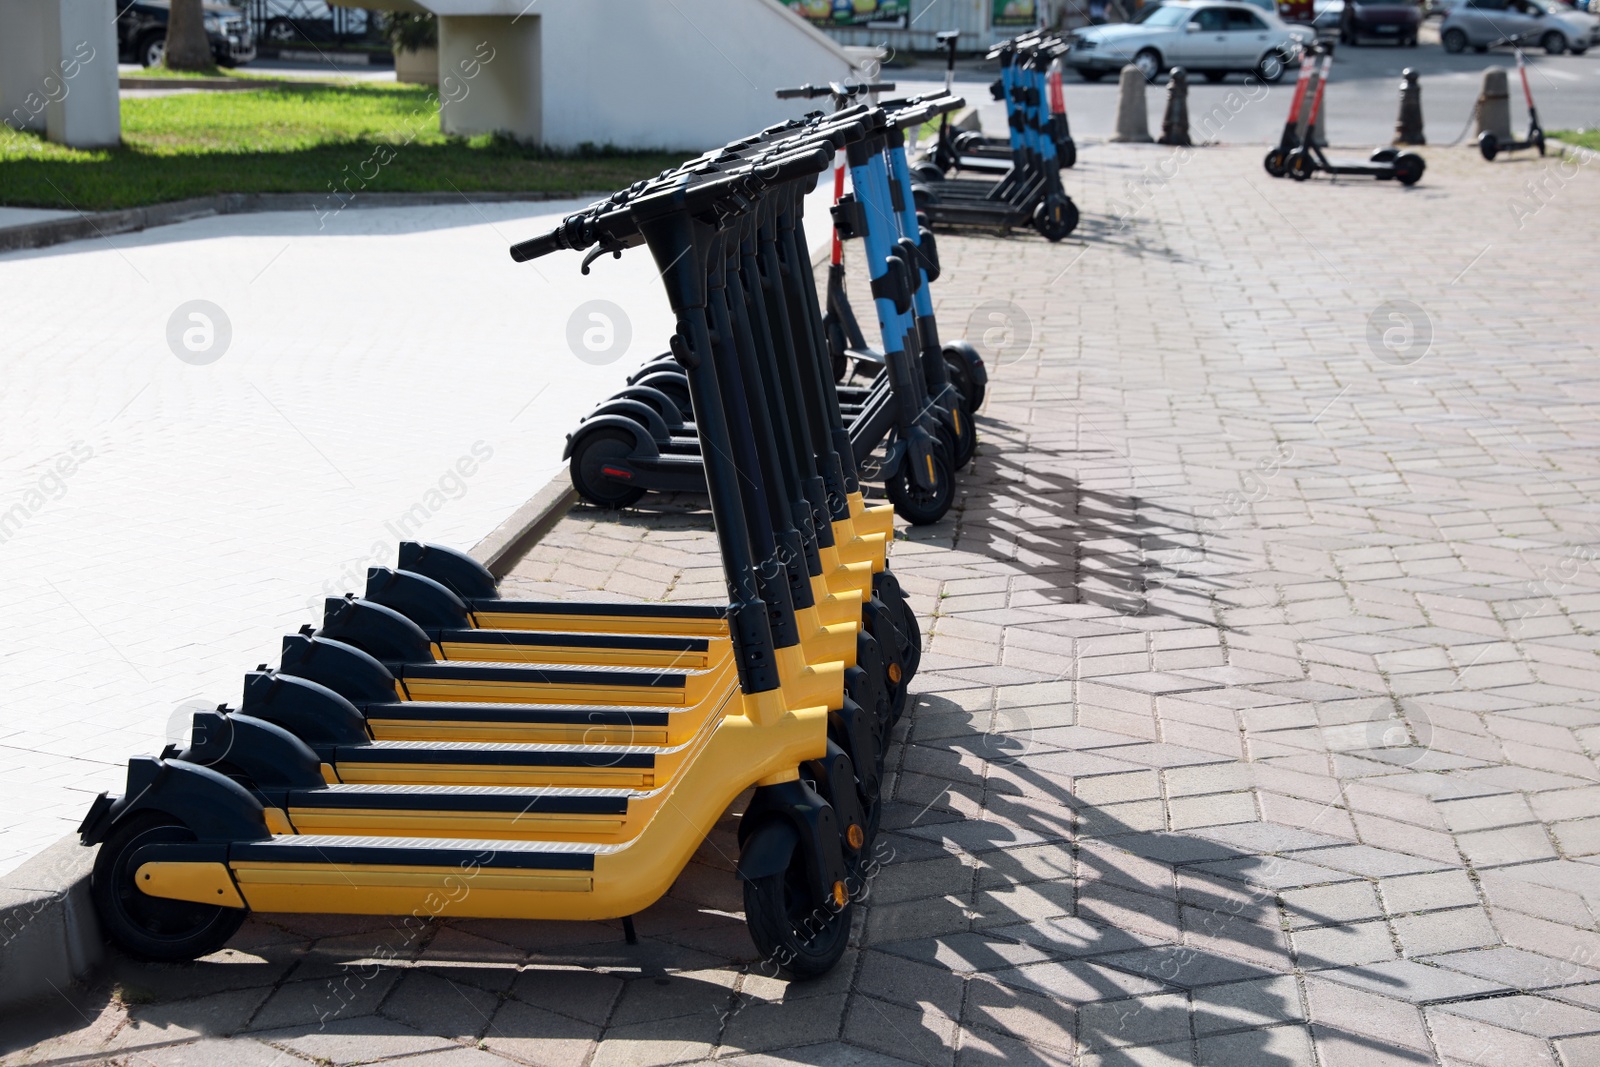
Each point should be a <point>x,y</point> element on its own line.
<point>49,935</point>
<point>226,84</point>
<point>129,220</point>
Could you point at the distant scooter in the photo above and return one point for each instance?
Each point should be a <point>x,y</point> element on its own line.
<point>1385,164</point>
<point>1490,145</point>
<point>1277,161</point>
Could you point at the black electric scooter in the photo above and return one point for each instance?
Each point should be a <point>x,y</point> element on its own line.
<point>1386,164</point>
<point>1490,145</point>
<point>1277,161</point>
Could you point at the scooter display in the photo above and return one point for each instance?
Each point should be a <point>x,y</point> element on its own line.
<point>274,808</point>
<point>1491,146</point>
<point>1030,191</point>
<point>1385,164</point>
<point>637,442</point>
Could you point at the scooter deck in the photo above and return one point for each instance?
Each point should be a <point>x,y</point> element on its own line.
<point>493,812</point>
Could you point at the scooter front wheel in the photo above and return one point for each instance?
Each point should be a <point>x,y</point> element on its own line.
<point>964,437</point>
<point>1066,153</point>
<point>802,936</point>
<point>1489,145</point>
<point>1056,217</point>
<point>1300,165</point>
<point>592,454</point>
<point>1276,162</point>
<point>913,503</point>
<point>154,928</point>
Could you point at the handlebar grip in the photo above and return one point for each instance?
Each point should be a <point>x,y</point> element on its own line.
<point>803,92</point>
<point>543,245</point>
<point>798,165</point>
<point>878,87</point>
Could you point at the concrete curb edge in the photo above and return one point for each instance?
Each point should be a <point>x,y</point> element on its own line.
<point>49,935</point>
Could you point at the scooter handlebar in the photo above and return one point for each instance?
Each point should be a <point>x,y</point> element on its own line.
<point>543,245</point>
<point>804,92</point>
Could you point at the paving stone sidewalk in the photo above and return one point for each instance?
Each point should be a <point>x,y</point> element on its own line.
<point>1257,719</point>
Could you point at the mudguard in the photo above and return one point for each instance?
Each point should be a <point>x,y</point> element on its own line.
<point>637,410</point>
<point>855,732</point>
<point>816,828</point>
<point>345,669</point>
<point>381,631</point>
<point>267,754</point>
<point>212,805</point>
<point>311,711</point>
<point>644,445</point>
<point>657,401</point>
<point>419,598</point>
<point>650,366</point>
<point>834,778</point>
<point>455,570</point>
<point>964,351</point>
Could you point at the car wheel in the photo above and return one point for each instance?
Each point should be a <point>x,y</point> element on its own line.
<point>1214,76</point>
<point>1270,69</point>
<point>152,49</point>
<point>1149,63</point>
<point>1454,41</point>
<point>280,32</point>
<point>1553,43</point>
<point>1090,75</point>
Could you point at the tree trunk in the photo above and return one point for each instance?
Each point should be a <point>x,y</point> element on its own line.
<point>188,48</point>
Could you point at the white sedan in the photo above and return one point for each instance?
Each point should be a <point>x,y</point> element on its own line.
<point>1212,39</point>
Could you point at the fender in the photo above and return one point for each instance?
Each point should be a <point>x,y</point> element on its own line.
<point>657,401</point>
<point>854,732</point>
<point>265,753</point>
<point>967,354</point>
<point>419,598</point>
<point>310,711</point>
<point>672,381</point>
<point>212,805</point>
<point>767,851</point>
<point>381,631</point>
<point>345,669</point>
<point>637,410</point>
<point>816,828</point>
<point>650,366</point>
<point>644,446</point>
<point>834,778</point>
<point>453,569</point>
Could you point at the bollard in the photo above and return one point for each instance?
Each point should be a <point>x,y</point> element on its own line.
<point>1133,120</point>
<point>1175,123</point>
<point>1494,106</point>
<point>1408,127</point>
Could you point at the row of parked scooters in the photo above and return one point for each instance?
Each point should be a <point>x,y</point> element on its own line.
<point>914,397</point>
<point>437,749</point>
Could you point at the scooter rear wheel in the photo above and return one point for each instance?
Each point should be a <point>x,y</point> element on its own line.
<point>913,503</point>
<point>592,452</point>
<point>1489,145</point>
<point>1408,168</point>
<point>1276,162</point>
<point>803,937</point>
<point>152,928</point>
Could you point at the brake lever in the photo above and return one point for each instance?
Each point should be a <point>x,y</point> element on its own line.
<point>614,247</point>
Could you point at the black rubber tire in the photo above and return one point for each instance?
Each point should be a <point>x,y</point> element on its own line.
<point>1270,68</point>
<point>916,505</point>
<point>149,928</point>
<point>1066,154</point>
<point>777,908</point>
<point>1055,217</point>
<point>960,379</point>
<point>1300,165</point>
<point>1480,49</point>
<point>1454,41</point>
<point>927,171</point>
<point>1276,162</point>
<point>1553,43</point>
<point>1090,76</point>
<point>964,437</point>
<point>1152,68</point>
<point>1214,76</point>
<point>973,387</point>
<point>151,50</point>
<point>912,629</point>
<point>592,450</point>
<point>1408,168</point>
<point>1488,145</point>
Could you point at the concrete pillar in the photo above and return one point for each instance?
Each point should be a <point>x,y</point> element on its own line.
<point>1408,127</point>
<point>490,76</point>
<point>58,70</point>
<point>1175,123</point>
<point>1133,117</point>
<point>1494,106</point>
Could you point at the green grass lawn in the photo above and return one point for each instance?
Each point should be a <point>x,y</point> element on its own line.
<point>1589,139</point>
<point>373,138</point>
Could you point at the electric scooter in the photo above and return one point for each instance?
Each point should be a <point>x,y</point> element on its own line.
<point>1490,145</point>
<point>1277,161</point>
<point>1385,164</point>
<point>970,149</point>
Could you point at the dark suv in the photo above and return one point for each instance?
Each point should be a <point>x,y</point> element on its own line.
<point>1390,20</point>
<point>142,33</point>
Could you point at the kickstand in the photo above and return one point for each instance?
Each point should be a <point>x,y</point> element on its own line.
<point>628,931</point>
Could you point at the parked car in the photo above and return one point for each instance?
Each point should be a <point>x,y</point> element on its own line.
<point>1483,24</point>
<point>1213,39</point>
<point>142,33</point>
<point>1330,13</point>
<point>1389,20</point>
<point>287,23</point>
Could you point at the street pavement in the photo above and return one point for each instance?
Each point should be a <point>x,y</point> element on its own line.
<point>1362,99</point>
<point>1257,720</point>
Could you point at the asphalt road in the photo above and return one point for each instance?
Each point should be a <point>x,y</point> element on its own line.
<point>1362,99</point>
